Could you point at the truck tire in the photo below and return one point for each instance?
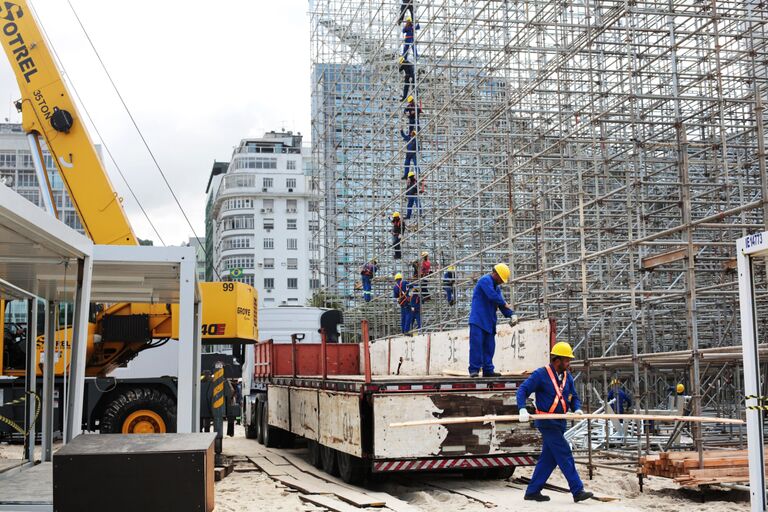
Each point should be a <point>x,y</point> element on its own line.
<point>314,454</point>
<point>257,420</point>
<point>139,411</point>
<point>251,428</point>
<point>270,435</point>
<point>351,468</point>
<point>330,463</point>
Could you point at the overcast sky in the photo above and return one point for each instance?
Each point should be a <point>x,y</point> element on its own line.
<point>197,75</point>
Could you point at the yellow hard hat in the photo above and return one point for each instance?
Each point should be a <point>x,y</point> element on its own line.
<point>402,59</point>
<point>451,267</point>
<point>396,215</point>
<point>680,389</point>
<point>562,349</point>
<point>503,271</point>
<point>615,382</point>
<point>424,253</point>
<point>411,173</point>
<point>410,99</point>
<point>398,276</point>
<point>408,19</point>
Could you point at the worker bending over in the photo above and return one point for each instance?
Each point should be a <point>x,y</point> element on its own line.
<point>486,299</point>
<point>400,292</point>
<point>410,152</point>
<point>409,77</point>
<point>623,400</point>
<point>398,229</point>
<point>555,393</point>
<point>449,284</point>
<point>367,274</point>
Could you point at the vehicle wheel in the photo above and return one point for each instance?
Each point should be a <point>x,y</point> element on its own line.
<point>271,435</point>
<point>492,473</point>
<point>259,426</point>
<point>314,454</point>
<point>139,411</point>
<point>351,468</point>
<point>251,428</point>
<point>330,463</point>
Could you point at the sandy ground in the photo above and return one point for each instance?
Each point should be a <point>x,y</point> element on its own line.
<point>255,491</point>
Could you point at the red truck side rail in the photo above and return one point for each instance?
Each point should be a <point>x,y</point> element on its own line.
<point>276,359</point>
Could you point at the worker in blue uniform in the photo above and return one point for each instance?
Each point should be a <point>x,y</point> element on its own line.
<point>410,152</point>
<point>412,195</point>
<point>367,274</point>
<point>401,292</point>
<point>409,43</point>
<point>415,322</point>
<point>409,77</point>
<point>623,400</point>
<point>555,394</point>
<point>486,299</point>
<point>413,113</point>
<point>449,284</point>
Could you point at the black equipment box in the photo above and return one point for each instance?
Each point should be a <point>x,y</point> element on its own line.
<point>127,473</point>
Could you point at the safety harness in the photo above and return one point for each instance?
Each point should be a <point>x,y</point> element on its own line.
<point>558,392</point>
<point>402,298</point>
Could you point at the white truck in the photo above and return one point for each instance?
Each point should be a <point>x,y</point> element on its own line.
<point>342,397</point>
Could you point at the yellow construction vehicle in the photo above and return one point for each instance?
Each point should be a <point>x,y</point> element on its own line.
<point>118,332</point>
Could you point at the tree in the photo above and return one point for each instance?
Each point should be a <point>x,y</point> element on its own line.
<point>322,299</point>
<point>146,242</point>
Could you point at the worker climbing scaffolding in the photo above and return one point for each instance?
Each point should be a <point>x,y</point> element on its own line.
<point>409,39</point>
<point>367,273</point>
<point>409,77</point>
<point>410,163</point>
<point>424,270</point>
<point>415,318</point>
<point>449,285</point>
<point>412,194</point>
<point>401,292</point>
<point>412,112</point>
<point>398,229</point>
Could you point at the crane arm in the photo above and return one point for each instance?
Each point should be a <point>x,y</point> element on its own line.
<point>48,110</point>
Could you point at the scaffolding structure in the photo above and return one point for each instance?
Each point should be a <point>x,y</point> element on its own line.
<point>611,152</point>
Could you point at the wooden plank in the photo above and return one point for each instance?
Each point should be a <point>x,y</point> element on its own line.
<point>271,469</point>
<point>650,262</point>
<point>307,487</point>
<point>310,484</point>
<point>277,460</point>
<point>328,502</point>
<point>569,416</point>
<point>460,488</point>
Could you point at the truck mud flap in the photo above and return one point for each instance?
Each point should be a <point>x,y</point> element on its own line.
<point>391,466</point>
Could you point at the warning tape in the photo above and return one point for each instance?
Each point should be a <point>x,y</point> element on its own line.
<point>756,397</point>
<point>15,426</point>
<point>757,407</point>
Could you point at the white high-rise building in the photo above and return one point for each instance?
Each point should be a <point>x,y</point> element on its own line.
<point>258,218</point>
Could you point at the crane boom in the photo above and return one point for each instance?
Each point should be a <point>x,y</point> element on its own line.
<point>47,110</point>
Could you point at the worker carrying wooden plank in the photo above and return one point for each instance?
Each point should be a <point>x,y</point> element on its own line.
<point>555,393</point>
<point>486,299</point>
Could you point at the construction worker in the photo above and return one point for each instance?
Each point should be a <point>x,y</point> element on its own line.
<point>398,229</point>
<point>400,292</point>
<point>486,299</point>
<point>424,271</point>
<point>412,194</point>
<point>410,152</point>
<point>408,43</point>
<point>413,113</point>
<point>555,394</point>
<point>367,274</point>
<point>405,5</point>
<point>621,397</point>
<point>449,284</point>
<point>415,309</point>
<point>409,76</point>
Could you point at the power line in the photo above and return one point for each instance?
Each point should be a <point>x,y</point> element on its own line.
<point>138,130</point>
<point>96,129</point>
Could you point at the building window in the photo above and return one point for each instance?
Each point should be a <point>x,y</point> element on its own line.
<point>293,299</point>
<point>7,159</point>
<point>313,206</point>
<point>293,244</point>
<point>314,284</point>
<point>314,225</point>
<point>293,263</point>
<point>269,223</point>
<point>314,264</point>
<point>269,205</point>
<point>251,162</point>
<point>238,203</point>
<point>26,179</point>
<point>269,262</point>
<point>247,279</point>
<point>269,243</point>
<point>291,166</point>
<point>48,160</point>
<point>269,300</point>
<point>267,182</point>
<point>33,196</point>
<point>237,262</point>
<point>269,283</point>
<point>293,283</point>
<point>290,206</point>
<point>238,242</point>
<point>237,222</point>
<point>26,160</point>
<point>290,224</point>
<point>290,183</point>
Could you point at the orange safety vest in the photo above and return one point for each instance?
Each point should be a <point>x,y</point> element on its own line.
<point>558,392</point>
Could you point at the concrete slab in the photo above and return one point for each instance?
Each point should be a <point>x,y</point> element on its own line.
<point>28,489</point>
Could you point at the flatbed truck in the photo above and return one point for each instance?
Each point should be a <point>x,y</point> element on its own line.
<point>342,397</point>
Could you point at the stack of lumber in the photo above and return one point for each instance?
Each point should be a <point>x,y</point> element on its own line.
<point>720,466</point>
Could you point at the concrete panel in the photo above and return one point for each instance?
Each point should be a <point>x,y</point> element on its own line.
<point>305,413</point>
<point>340,421</point>
<point>277,403</point>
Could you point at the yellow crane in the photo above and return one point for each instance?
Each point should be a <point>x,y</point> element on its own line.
<point>118,332</point>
